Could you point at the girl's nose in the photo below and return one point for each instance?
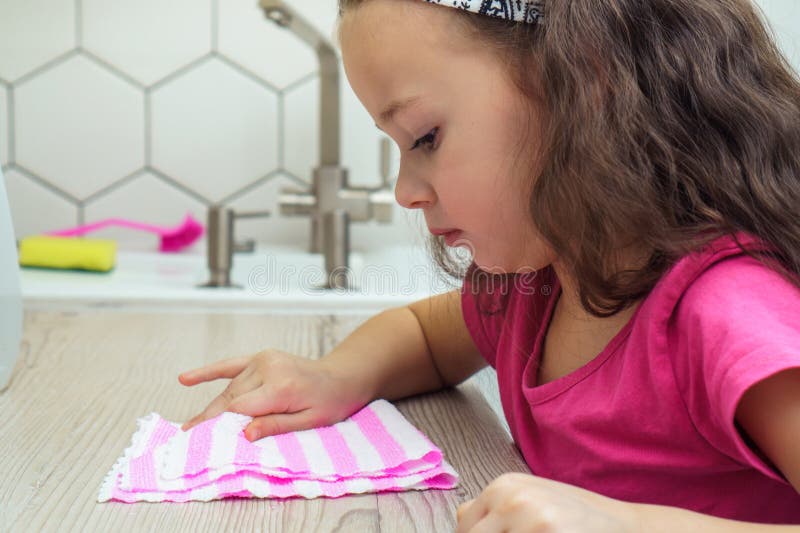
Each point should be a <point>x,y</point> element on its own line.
<point>413,193</point>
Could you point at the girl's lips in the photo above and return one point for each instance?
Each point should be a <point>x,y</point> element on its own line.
<point>451,237</point>
<point>441,231</point>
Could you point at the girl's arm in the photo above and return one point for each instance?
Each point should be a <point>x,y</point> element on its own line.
<point>660,518</point>
<point>409,350</point>
<point>770,414</point>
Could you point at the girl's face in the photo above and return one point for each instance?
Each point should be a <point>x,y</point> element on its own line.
<point>461,126</point>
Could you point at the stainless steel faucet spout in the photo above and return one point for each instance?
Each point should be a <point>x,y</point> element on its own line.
<point>331,203</point>
<point>220,244</point>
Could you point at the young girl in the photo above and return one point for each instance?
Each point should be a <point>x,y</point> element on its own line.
<point>626,175</point>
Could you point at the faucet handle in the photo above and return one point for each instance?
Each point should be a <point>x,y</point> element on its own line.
<point>251,214</point>
<point>221,245</point>
<point>295,202</point>
<point>381,205</point>
<point>386,161</point>
<point>248,245</point>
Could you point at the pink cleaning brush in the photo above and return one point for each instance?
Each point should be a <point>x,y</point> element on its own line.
<point>172,239</point>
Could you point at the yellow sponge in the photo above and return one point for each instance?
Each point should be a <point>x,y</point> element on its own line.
<point>67,253</point>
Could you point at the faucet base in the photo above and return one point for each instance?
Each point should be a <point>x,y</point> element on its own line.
<point>220,278</point>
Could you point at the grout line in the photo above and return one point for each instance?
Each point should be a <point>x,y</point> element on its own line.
<point>214,25</point>
<point>178,185</point>
<point>281,130</point>
<point>300,81</point>
<point>181,71</point>
<point>148,118</point>
<point>63,58</point>
<point>113,186</point>
<point>148,127</point>
<point>79,23</point>
<point>111,69</point>
<point>11,126</point>
<point>246,72</point>
<point>46,184</point>
<point>300,181</point>
<point>249,187</point>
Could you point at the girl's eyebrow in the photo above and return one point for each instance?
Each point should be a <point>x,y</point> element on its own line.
<point>394,107</point>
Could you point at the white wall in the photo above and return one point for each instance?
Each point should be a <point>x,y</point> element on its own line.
<point>783,17</point>
<point>151,109</point>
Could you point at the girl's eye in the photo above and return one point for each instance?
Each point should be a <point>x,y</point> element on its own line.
<point>428,139</point>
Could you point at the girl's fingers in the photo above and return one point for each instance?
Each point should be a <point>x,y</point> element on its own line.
<point>470,516</point>
<point>227,368</point>
<point>244,383</point>
<point>463,507</point>
<point>214,408</point>
<point>256,402</point>
<point>279,423</point>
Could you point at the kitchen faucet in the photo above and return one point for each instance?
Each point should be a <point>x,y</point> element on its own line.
<point>331,203</point>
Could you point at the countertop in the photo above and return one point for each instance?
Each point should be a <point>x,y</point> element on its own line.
<point>278,279</point>
<point>84,377</point>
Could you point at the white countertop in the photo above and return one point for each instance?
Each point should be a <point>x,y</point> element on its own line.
<point>272,279</point>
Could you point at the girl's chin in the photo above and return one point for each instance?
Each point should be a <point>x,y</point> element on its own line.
<point>503,267</point>
<point>493,267</point>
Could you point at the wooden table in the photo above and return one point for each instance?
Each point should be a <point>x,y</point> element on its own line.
<point>83,379</point>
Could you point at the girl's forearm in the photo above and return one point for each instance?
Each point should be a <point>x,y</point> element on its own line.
<point>662,518</point>
<point>386,357</point>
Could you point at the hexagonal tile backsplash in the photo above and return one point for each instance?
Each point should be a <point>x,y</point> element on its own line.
<point>153,109</point>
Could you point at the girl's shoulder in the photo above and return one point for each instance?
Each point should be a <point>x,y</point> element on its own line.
<point>720,277</point>
<point>735,322</point>
<point>723,281</point>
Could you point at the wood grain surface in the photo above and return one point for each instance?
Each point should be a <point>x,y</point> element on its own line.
<point>83,379</point>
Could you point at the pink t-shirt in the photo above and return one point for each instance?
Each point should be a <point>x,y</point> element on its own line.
<point>651,418</point>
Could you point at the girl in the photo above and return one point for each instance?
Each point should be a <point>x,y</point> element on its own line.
<point>626,175</point>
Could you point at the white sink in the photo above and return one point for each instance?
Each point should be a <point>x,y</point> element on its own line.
<point>272,279</point>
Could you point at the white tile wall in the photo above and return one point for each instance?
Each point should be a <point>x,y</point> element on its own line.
<point>278,230</point>
<point>784,18</point>
<point>166,206</point>
<point>215,129</point>
<point>152,109</point>
<point>262,47</point>
<point>43,208</point>
<point>33,32</point>
<point>147,39</point>
<point>79,126</point>
<point>4,125</point>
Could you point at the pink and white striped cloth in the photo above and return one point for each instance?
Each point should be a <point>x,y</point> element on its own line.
<point>374,450</point>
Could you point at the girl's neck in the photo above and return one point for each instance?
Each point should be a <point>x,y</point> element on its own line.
<point>569,305</point>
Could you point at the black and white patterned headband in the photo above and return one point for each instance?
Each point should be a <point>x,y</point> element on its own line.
<point>529,11</point>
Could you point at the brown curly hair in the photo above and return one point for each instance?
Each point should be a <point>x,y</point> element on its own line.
<point>669,123</point>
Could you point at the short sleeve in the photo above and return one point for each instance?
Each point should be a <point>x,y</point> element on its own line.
<point>737,324</point>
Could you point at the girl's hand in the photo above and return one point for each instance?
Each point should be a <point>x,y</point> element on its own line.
<point>521,502</point>
<point>281,391</point>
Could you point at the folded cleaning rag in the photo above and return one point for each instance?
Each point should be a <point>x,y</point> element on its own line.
<point>374,450</point>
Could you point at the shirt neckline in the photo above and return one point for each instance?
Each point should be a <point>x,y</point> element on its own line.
<point>541,393</point>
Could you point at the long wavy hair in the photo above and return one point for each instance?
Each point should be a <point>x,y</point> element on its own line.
<point>669,124</point>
